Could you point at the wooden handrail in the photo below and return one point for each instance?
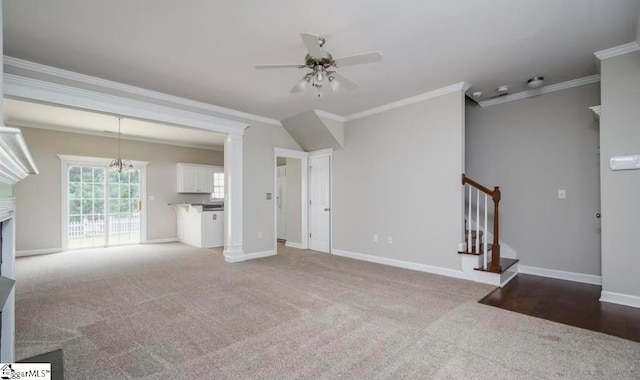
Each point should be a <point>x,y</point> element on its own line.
<point>475,184</point>
<point>496,195</point>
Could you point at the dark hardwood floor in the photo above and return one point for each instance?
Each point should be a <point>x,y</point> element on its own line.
<point>568,302</point>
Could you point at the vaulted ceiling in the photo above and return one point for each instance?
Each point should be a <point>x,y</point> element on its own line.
<point>205,50</point>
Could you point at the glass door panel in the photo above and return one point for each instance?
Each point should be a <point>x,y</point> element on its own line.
<point>86,207</point>
<point>124,210</point>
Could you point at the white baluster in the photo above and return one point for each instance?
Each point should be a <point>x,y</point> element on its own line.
<point>469,224</point>
<point>486,254</point>
<point>477,247</point>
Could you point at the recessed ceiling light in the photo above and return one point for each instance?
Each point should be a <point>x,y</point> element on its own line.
<point>502,89</point>
<point>477,94</point>
<point>535,82</point>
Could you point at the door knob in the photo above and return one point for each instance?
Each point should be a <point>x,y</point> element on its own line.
<point>598,215</point>
<point>327,209</point>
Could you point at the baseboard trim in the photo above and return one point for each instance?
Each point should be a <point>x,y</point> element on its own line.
<point>401,264</point>
<point>620,299</point>
<point>561,275</point>
<point>34,252</point>
<point>159,241</point>
<point>259,255</point>
<point>293,245</point>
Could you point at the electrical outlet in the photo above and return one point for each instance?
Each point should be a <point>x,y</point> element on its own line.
<point>389,239</point>
<point>375,238</point>
<point>260,235</point>
<point>562,194</point>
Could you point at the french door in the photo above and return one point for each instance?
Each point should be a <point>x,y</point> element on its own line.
<point>103,207</point>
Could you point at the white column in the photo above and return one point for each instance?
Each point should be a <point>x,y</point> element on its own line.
<point>233,251</point>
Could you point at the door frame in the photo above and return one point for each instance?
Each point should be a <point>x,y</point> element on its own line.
<point>66,160</point>
<point>304,165</point>
<point>329,153</point>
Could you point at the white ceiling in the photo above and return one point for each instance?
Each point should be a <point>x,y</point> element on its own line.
<point>25,114</point>
<point>205,50</point>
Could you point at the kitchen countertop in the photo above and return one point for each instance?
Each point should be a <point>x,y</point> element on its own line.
<point>200,206</point>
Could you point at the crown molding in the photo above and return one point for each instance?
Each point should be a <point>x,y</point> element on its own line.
<point>108,135</point>
<point>541,90</point>
<point>596,111</point>
<point>329,115</point>
<point>462,86</point>
<point>21,87</point>
<point>87,79</point>
<point>617,50</point>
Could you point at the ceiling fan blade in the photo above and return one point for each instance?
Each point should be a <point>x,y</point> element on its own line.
<point>344,81</point>
<point>359,59</point>
<point>312,43</point>
<point>280,66</point>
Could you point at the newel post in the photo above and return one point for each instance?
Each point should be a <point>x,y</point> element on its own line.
<point>495,247</point>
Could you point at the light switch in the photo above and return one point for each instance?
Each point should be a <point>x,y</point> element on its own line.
<point>151,198</point>
<point>562,194</point>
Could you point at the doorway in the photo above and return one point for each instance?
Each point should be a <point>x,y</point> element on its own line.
<point>290,199</point>
<point>101,208</point>
<point>281,200</point>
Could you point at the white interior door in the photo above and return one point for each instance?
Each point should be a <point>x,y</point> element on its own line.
<point>320,203</point>
<point>280,202</point>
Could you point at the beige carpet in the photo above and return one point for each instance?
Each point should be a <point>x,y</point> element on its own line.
<point>172,311</point>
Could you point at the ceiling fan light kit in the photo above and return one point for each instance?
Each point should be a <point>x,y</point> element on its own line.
<point>322,66</point>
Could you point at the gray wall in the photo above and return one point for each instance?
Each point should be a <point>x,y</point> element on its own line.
<point>336,128</point>
<point>38,197</point>
<point>293,207</point>
<point>620,135</point>
<point>399,175</point>
<point>259,141</point>
<point>531,148</point>
<point>311,133</point>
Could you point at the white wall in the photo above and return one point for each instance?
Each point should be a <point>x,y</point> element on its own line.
<point>399,175</point>
<point>620,135</point>
<point>531,148</point>
<point>38,197</point>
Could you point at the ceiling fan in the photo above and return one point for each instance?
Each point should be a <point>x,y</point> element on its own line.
<point>323,66</point>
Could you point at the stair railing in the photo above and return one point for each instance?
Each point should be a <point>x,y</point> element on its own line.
<point>494,265</point>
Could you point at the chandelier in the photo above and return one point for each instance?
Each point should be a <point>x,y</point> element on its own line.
<point>117,164</point>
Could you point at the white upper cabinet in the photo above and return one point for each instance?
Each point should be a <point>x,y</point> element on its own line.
<point>196,179</point>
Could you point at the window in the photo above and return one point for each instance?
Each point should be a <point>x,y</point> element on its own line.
<point>218,186</point>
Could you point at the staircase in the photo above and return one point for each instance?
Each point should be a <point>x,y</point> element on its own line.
<point>481,261</point>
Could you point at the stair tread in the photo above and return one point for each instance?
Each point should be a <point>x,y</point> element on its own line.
<point>505,263</point>
<point>489,247</point>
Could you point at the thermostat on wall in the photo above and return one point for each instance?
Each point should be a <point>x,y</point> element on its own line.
<point>625,162</point>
